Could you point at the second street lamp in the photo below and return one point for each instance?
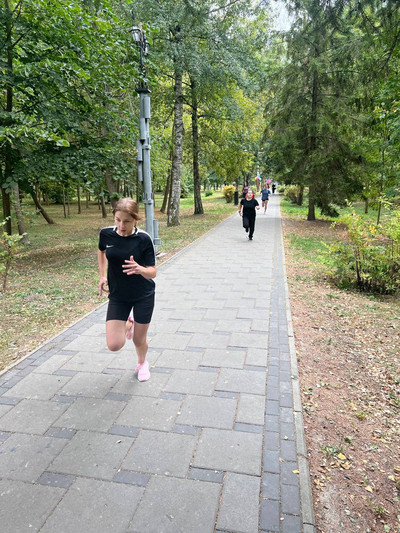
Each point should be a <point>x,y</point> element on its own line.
<point>143,144</point>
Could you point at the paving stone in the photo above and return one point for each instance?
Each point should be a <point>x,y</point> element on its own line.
<point>91,414</point>
<point>124,431</point>
<point>56,480</point>
<point>197,326</point>
<point>88,362</point>
<point>89,385</point>
<point>244,381</point>
<point>271,462</point>
<point>288,450</point>
<point>4,436</point>
<point>212,341</point>
<point>93,506</point>
<point>270,518</point>
<point>224,358</point>
<point>25,457</point>
<point>233,325</point>
<point>118,397</point>
<point>245,340</point>
<point>162,459</point>
<point>172,396</point>
<point>37,387</point>
<point>257,356</point>
<point>89,454</point>
<point>291,524</point>
<point>129,384</point>
<point>180,359</point>
<point>32,416</point>
<point>4,409</point>
<point>60,433</point>
<point>288,476</point>
<point>132,478</point>
<point>84,343</point>
<point>202,474</point>
<point>182,505</point>
<point>25,507</point>
<point>239,506</point>
<point>229,451</point>
<point>271,441</point>
<point>206,411</point>
<point>53,364</point>
<point>149,413</point>
<point>186,430</point>
<point>290,499</point>
<point>192,382</point>
<point>170,341</point>
<point>249,428</point>
<point>271,486</point>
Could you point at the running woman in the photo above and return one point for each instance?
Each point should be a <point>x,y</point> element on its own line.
<point>249,206</point>
<point>129,254</point>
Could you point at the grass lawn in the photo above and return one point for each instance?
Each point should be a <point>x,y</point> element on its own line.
<point>53,281</point>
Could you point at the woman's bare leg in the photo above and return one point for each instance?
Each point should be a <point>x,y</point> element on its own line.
<point>115,334</point>
<point>140,341</point>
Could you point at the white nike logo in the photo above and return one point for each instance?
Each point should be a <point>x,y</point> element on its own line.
<point>109,245</point>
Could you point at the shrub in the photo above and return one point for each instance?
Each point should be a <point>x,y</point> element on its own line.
<point>208,192</point>
<point>292,192</point>
<point>370,260</point>
<point>228,191</point>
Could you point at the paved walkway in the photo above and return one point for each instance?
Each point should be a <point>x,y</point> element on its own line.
<point>212,443</point>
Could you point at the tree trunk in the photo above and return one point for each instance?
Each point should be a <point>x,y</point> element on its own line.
<point>311,205</point>
<point>300,196</point>
<point>167,186</point>
<point>111,187</point>
<point>78,192</point>
<point>176,173</point>
<point>39,207</point>
<point>103,207</point>
<point>19,215</point>
<point>6,211</point>
<point>198,205</point>
<point>313,146</point>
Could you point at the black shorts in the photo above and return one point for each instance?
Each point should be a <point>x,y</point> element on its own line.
<point>142,310</point>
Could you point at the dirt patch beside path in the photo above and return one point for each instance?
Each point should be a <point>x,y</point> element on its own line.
<point>348,348</point>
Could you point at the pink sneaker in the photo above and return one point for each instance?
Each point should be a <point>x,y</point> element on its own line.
<point>143,371</point>
<point>129,329</point>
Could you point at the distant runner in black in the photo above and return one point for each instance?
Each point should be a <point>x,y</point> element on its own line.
<point>247,209</point>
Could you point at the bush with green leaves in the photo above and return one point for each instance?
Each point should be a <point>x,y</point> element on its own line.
<point>229,191</point>
<point>208,192</point>
<point>9,245</point>
<point>292,193</point>
<point>370,259</point>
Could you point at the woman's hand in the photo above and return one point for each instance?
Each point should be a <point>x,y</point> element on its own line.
<point>102,286</point>
<point>131,267</point>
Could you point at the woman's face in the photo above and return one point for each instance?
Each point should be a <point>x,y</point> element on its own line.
<point>125,223</point>
<point>249,194</point>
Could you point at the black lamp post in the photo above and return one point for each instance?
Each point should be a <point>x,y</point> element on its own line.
<point>143,144</point>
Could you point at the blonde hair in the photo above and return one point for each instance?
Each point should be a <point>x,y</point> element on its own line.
<point>127,205</point>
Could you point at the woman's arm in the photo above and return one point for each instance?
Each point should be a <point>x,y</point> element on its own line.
<point>102,262</point>
<point>131,267</point>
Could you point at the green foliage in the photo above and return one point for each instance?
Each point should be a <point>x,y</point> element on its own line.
<point>208,192</point>
<point>9,245</point>
<point>229,191</point>
<point>292,192</point>
<point>370,259</point>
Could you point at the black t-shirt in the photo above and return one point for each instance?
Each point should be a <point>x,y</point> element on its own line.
<point>123,287</point>
<point>249,207</point>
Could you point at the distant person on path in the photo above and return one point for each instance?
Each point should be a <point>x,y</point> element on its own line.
<point>273,188</point>
<point>266,191</point>
<point>249,206</point>
<point>129,254</point>
<point>244,190</point>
